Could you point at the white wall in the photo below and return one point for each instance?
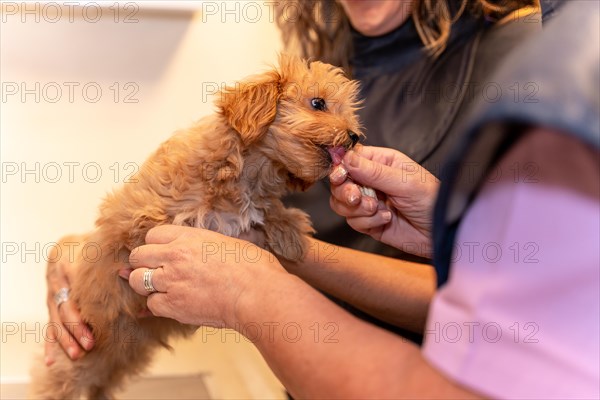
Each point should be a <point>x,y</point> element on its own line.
<point>164,58</point>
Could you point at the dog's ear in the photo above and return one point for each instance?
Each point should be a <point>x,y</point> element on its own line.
<point>292,65</point>
<point>251,106</point>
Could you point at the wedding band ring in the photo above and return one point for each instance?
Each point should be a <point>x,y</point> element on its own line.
<point>148,281</point>
<point>61,296</point>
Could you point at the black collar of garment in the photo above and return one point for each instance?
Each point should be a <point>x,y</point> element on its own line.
<point>381,55</point>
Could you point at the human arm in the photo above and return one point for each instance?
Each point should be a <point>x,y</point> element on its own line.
<point>367,281</point>
<point>66,331</point>
<point>524,281</point>
<point>392,290</point>
<point>222,289</point>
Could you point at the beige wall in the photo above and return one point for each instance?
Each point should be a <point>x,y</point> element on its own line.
<point>81,145</point>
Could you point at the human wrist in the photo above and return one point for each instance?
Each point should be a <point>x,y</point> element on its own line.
<point>317,258</point>
<point>257,286</point>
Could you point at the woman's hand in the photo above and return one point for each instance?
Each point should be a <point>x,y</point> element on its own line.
<point>199,276</point>
<point>66,331</point>
<point>401,216</point>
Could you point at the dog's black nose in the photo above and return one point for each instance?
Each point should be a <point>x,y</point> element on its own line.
<point>354,137</point>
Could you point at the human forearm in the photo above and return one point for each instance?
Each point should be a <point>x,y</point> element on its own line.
<point>320,351</point>
<point>395,291</point>
<point>317,349</point>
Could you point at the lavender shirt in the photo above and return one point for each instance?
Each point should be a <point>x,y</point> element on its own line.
<point>519,316</point>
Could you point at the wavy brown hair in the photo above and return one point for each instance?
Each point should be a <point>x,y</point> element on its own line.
<point>321,30</point>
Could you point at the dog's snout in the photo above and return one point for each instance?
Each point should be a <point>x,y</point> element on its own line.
<point>354,137</point>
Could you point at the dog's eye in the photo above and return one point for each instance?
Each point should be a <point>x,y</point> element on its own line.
<point>318,104</point>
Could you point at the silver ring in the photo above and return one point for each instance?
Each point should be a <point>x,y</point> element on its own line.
<point>148,281</point>
<point>61,296</point>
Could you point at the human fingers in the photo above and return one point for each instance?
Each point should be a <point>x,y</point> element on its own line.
<point>72,333</point>
<point>146,281</point>
<point>50,346</point>
<point>62,311</point>
<point>366,207</point>
<point>348,193</point>
<point>148,255</point>
<point>79,330</point>
<point>413,176</point>
<point>372,173</point>
<point>58,333</point>
<point>366,224</point>
<point>338,175</point>
<point>383,155</point>
<point>158,306</point>
<point>154,253</point>
<point>163,234</point>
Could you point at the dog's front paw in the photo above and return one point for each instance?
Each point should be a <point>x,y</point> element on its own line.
<point>291,248</point>
<point>287,234</point>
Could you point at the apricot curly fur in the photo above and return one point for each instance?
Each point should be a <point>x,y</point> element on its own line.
<point>226,173</point>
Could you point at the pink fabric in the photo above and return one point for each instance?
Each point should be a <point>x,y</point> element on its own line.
<point>520,314</point>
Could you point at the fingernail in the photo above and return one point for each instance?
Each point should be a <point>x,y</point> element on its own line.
<point>353,199</point>
<point>338,175</point>
<point>72,352</point>
<point>387,216</point>
<point>370,205</point>
<point>86,342</point>
<point>124,273</point>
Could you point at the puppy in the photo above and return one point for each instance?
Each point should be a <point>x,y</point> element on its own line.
<point>272,133</point>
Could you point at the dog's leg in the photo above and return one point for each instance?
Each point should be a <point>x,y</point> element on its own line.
<point>287,231</point>
<point>99,393</point>
<point>57,381</point>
